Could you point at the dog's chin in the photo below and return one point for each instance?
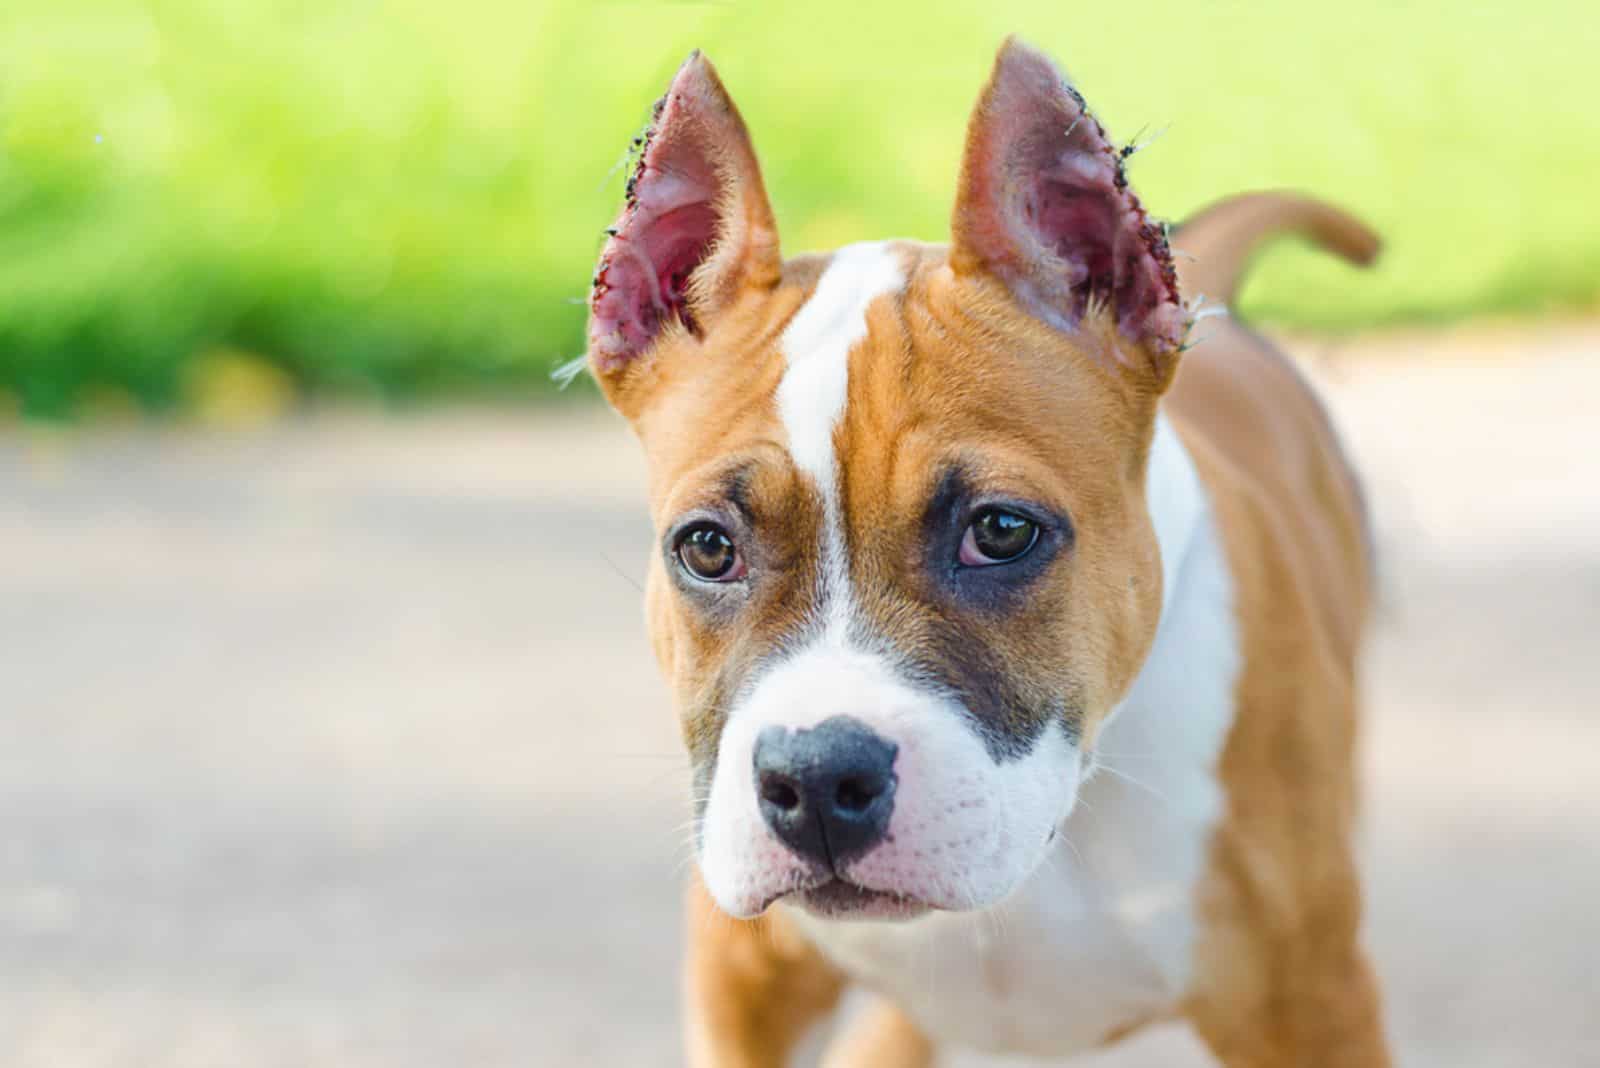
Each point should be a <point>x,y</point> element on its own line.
<point>837,899</point>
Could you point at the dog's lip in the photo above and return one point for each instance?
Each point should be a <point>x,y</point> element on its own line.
<point>838,898</point>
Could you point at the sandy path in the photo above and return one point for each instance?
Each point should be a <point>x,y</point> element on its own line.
<point>340,744</point>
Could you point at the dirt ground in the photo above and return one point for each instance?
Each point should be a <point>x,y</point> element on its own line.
<point>339,743</point>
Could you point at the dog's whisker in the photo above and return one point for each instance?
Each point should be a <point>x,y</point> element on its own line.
<point>1083,861</point>
<point>623,575</point>
<point>1118,754</point>
<point>1125,777</point>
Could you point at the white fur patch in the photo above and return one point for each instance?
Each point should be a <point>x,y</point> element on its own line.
<point>1101,934</point>
<point>964,831</point>
<point>812,395</point>
<point>817,344</point>
<point>1176,501</point>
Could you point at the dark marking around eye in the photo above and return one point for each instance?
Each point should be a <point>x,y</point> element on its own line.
<point>952,508</point>
<point>954,660</point>
<point>736,491</point>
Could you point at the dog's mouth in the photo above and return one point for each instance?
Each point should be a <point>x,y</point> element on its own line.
<point>838,899</point>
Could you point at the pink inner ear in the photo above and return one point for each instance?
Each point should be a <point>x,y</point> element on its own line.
<point>666,231</point>
<point>1115,257</point>
<point>1045,206</point>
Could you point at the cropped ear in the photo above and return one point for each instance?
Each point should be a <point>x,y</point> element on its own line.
<point>1044,207</point>
<point>695,231</point>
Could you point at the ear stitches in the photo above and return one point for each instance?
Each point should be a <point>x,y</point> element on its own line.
<point>695,224</point>
<point>1044,205</point>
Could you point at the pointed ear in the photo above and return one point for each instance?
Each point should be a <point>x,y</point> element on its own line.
<point>695,232</point>
<point>1044,207</point>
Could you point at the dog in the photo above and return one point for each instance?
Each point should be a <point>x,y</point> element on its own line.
<point>1012,618</point>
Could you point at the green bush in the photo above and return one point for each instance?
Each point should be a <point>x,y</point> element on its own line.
<point>404,197</point>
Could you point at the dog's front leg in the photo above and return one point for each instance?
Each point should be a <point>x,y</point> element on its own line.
<point>754,987</point>
<point>1330,1019</point>
<point>884,1037</point>
<point>1289,984</point>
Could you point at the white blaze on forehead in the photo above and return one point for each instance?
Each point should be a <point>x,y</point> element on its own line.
<point>811,397</point>
<point>817,344</point>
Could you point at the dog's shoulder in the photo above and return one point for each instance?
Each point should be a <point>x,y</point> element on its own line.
<point>1286,498</point>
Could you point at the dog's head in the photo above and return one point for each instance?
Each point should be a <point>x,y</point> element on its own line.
<point>905,565</point>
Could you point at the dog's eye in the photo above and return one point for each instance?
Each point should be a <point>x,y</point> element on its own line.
<point>707,553</point>
<point>996,536</point>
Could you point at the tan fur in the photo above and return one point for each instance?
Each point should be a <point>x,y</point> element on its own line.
<point>884,1038</point>
<point>1065,419</point>
<point>754,988</point>
<point>1060,432</point>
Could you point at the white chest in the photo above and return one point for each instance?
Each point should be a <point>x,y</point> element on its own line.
<point>1100,936</point>
<point>1051,971</point>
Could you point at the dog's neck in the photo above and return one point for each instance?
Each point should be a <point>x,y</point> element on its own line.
<point>1152,794</point>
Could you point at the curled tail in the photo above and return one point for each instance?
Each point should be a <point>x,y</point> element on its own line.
<point>1215,245</point>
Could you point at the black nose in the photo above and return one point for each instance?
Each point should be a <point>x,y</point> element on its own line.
<point>826,791</point>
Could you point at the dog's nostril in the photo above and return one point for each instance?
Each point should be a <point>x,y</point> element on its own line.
<point>780,793</point>
<point>855,794</point>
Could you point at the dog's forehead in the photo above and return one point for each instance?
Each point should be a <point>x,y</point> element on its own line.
<point>872,362</point>
<point>772,381</point>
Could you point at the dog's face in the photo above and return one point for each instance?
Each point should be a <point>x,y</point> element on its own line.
<point>905,565</point>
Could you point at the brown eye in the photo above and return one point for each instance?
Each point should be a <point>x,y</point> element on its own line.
<point>997,536</point>
<point>707,553</point>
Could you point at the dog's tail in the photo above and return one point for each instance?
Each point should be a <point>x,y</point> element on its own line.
<point>1216,244</point>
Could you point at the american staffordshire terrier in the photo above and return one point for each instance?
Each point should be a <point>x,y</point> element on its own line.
<point>1013,630</point>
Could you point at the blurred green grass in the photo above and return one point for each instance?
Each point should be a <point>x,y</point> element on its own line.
<point>405,197</point>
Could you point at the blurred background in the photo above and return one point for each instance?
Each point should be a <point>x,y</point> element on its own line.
<point>328,730</point>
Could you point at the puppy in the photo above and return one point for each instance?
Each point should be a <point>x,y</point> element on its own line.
<point>1012,626</point>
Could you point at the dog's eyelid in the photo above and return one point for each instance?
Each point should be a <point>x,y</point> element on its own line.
<point>1005,502</point>
<point>1047,517</point>
<point>729,519</point>
<point>966,485</point>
